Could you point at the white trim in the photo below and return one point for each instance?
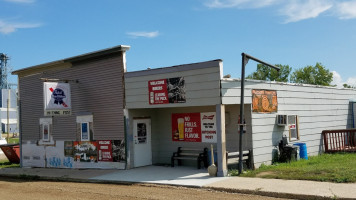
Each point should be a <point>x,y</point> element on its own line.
<point>84,118</point>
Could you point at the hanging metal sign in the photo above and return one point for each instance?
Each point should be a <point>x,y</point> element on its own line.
<point>57,99</point>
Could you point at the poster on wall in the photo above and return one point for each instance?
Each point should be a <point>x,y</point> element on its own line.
<point>85,151</point>
<point>194,127</point>
<point>57,99</point>
<point>118,151</point>
<point>68,149</point>
<point>165,91</point>
<point>186,127</point>
<point>208,127</point>
<point>264,101</point>
<point>105,151</point>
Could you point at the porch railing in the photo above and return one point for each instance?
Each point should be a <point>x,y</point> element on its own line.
<point>343,140</point>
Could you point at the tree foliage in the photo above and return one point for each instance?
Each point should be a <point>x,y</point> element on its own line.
<point>266,73</point>
<point>315,75</point>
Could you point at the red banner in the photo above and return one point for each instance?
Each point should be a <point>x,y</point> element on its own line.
<point>158,93</point>
<point>105,150</point>
<point>186,127</point>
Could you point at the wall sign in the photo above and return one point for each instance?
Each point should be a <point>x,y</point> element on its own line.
<point>264,101</point>
<point>165,91</point>
<point>105,150</point>
<point>208,127</point>
<point>57,99</point>
<point>194,127</point>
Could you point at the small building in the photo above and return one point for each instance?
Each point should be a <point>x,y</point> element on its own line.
<point>8,106</point>
<point>88,112</point>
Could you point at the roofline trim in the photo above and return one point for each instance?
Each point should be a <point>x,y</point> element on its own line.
<point>119,48</point>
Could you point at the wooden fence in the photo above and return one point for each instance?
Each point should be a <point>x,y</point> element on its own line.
<point>343,140</point>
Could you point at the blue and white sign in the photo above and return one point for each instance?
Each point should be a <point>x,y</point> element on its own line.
<point>57,99</point>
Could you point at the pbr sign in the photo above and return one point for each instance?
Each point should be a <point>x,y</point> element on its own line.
<point>57,99</point>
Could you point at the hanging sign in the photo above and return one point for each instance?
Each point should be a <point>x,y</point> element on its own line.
<point>165,91</point>
<point>57,99</point>
<point>194,127</point>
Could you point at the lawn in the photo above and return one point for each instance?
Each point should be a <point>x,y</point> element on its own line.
<point>6,164</point>
<point>340,168</point>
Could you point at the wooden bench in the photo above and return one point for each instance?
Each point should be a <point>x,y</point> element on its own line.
<point>247,157</point>
<point>191,154</point>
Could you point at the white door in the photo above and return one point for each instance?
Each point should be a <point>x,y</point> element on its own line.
<point>142,142</point>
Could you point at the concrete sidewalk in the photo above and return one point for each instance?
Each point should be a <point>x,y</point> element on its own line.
<point>190,177</point>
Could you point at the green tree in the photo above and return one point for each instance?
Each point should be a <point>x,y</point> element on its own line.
<point>266,73</point>
<point>347,86</point>
<point>315,75</point>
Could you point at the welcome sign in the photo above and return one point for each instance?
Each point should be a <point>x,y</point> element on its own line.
<point>57,99</point>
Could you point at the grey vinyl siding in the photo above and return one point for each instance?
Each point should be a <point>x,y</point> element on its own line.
<point>318,108</point>
<point>99,91</point>
<point>202,83</point>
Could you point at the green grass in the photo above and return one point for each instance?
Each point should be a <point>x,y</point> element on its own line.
<point>6,164</point>
<point>340,168</point>
<point>13,140</point>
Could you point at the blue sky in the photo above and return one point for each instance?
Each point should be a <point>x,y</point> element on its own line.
<point>169,32</point>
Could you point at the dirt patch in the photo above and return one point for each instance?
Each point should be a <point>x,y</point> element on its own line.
<point>266,174</point>
<point>25,189</point>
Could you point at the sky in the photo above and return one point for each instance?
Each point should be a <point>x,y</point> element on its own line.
<point>165,33</point>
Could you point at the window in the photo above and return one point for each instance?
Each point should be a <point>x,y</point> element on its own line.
<point>45,132</point>
<point>293,127</point>
<point>85,130</point>
<point>85,135</point>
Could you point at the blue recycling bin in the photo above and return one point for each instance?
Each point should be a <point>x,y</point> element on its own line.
<point>215,157</point>
<point>302,150</point>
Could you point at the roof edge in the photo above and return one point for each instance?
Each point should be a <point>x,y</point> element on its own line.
<point>85,56</point>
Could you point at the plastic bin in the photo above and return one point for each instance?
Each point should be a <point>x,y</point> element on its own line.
<point>215,157</point>
<point>12,152</point>
<point>302,150</point>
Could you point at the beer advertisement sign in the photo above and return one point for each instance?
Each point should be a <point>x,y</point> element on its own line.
<point>208,127</point>
<point>57,99</point>
<point>165,91</point>
<point>194,127</point>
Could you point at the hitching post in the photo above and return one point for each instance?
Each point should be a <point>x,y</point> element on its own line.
<point>245,58</point>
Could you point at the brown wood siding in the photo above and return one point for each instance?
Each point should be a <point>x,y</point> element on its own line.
<point>99,91</point>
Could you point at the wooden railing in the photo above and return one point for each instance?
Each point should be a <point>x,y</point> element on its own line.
<point>343,140</point>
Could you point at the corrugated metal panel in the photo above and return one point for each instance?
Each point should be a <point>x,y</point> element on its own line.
<point>99,91</point>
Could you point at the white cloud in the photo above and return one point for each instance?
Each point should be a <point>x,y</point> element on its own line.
<point>293,10</point>
<point>21,1</point>
<point>239,3</point>
<point>346,10</point>
<point>337,80</point>
<point>297,10</point>
<point>143,34</point>
<point>8,27</point>
<point>351,81</point>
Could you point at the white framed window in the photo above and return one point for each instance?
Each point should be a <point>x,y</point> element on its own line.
<point>293,125</point>
<point>84,131</point>
<point>46,129</point>
<point>85,127</point>
<point>45,132</point>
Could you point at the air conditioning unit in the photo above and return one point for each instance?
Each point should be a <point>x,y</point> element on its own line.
<point>282,120</point>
